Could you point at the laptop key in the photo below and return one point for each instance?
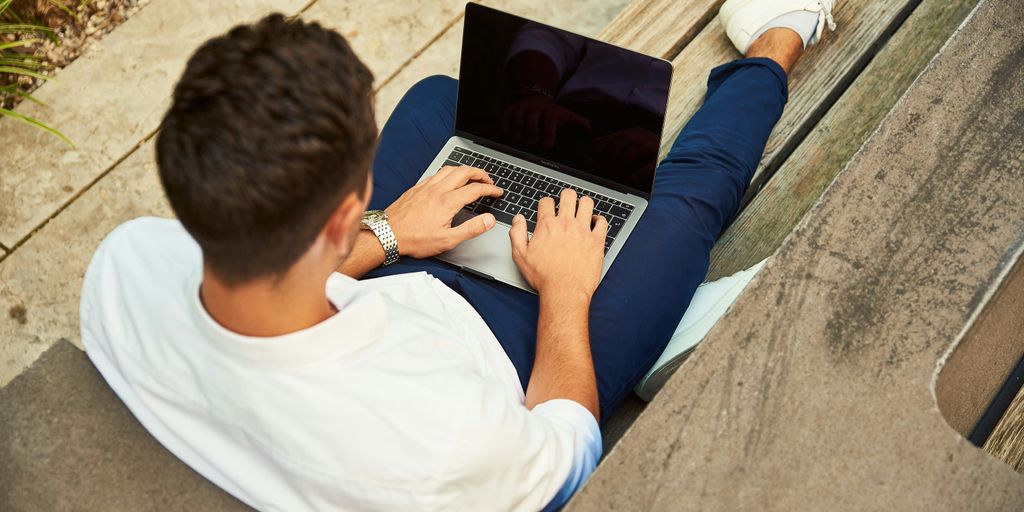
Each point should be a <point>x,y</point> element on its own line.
<point>512,209</point>
<point>525,202</point>
<point>603,207</point>
<point>512,198</point>
<point>503,172</point>
<point>499,215</point>
<point>516,176</point>
<point>529,181</point>
<point>466,160</point>
<point>500,204</point>
<point>502,182</point>
<point>531,226</point>
<point>619,211</point>
<point>553,189</point>
<point>614,225</point>
<point>529,192</point>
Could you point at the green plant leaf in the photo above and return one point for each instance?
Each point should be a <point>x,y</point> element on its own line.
<point>15,44</point>
<point>63,7</point>
<point>24,27</point>
<point>22,71</point>
<point>27,64</point>
<point>22,94</point>
<point>37,124</point>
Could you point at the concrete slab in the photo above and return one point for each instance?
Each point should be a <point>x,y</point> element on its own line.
<point>816,391</point>
<point>387,33</point>
<point>587,17</point>
<point>40,281</point>
<point>106,102</point>
<point>67,443</point>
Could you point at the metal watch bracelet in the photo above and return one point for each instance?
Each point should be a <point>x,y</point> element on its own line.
<point>377,221</point>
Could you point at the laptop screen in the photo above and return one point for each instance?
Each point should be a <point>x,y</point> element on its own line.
<point>569,102</point>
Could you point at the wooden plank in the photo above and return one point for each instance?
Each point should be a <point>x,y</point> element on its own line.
<point>983,360</point>
<point>1007,440</point>
<point>660,27</point>
<point>775,211</point>
<point>826,70</point>
<point>772,215</point>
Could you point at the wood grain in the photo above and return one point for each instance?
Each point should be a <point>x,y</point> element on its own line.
<point>800,181</point>
<point>824,72</point>
<point>660,27</point>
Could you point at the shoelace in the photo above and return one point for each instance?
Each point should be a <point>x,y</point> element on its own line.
<point>826,10</point>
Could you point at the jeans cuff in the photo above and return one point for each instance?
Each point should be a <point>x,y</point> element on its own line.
<point>721,73</point>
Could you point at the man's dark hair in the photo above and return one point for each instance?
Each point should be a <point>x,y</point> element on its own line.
<point>270,128</point>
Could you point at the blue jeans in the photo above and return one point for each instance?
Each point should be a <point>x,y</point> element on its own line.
<point>697,192</point>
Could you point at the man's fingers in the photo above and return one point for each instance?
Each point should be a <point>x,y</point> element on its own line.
<point>440,174</point>
<point>600,228</point>
<point>461,175</point>
<point>474,191</point>
<point>473,228</point>
<point>585,210</point>
<point>567,202</point>
<point>545,208</point>
<point>518,235</point>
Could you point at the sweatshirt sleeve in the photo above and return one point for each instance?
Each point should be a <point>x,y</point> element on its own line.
<point>508,457</point>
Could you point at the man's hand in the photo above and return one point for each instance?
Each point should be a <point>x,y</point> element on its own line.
<point>422,217</point>
<point>567,248</point>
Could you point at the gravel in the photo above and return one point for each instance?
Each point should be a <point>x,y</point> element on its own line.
<point>75,36</point>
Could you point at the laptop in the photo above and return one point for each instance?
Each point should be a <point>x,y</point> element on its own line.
<point>542,109</point>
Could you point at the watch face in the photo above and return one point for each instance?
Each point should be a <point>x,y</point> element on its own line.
<point>374,215</point>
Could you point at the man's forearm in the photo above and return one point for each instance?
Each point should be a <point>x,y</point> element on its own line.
<point>367,254</point>
<point>563,367</point>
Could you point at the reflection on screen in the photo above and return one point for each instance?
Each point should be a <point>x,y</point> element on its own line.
<point>561,97</point>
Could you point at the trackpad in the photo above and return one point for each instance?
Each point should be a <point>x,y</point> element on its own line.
<point>489,253</point>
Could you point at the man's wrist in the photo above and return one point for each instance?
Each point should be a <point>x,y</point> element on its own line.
<point>565,295</point>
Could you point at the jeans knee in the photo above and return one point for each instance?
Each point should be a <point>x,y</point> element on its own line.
<point>432,87</point>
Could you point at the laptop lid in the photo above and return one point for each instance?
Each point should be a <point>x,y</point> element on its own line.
<point>568,102</point>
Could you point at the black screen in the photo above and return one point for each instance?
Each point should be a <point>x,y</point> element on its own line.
<point>539,92</point>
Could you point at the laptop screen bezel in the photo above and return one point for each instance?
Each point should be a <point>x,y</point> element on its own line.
<point>473,10</point>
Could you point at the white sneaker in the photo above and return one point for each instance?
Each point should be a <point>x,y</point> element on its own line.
<point>743,19</point>
<point>710,302</point>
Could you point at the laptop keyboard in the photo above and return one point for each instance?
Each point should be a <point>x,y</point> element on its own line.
<point>525,188</point>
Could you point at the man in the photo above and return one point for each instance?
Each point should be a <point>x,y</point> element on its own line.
<point>404,390</point>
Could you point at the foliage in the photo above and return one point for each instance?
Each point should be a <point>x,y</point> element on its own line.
<point>23,63</point>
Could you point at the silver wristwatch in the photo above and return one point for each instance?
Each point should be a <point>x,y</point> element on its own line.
<point>377,221</point>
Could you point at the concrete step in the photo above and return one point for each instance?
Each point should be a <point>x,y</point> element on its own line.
<point>68,443</point>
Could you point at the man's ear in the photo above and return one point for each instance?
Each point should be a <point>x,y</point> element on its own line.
<point>345,221</point>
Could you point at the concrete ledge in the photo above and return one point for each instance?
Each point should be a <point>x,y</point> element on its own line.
<point>816,391</point>
<point>67,443</point>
